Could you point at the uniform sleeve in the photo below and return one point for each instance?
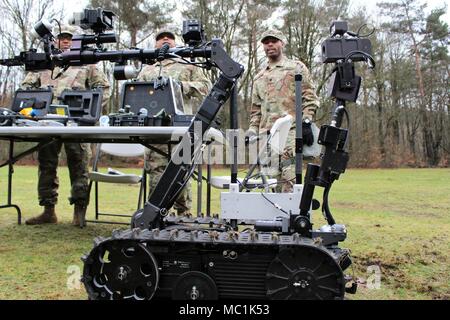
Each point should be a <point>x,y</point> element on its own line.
<point>31,80</point>
<point>98,79</point>
<point>198,85</point>
<point>255,110</point>
<point>310,99</point>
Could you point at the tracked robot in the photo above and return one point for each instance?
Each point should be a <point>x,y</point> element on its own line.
<point>263,245</point>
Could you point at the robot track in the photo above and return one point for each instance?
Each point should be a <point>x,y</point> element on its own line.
<point>208,265</point>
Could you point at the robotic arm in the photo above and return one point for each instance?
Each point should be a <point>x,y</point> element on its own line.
<point>176,175</point>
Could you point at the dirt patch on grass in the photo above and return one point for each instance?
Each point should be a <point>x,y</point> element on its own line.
<point>6,249</point>
<point>396,270</point>
<point>391,267</point>
<point>440,295</point>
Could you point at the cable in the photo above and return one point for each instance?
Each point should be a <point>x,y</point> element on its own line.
<point>366,35</point>
<point>274,204</point>
<point>204,65</point>
<point>59,26</point>
<point>141,66</point>
<point>325,208</point>
<point>369,58</point>
<point>347,116</point>
<point>262,185</point>
<point>64,69</point>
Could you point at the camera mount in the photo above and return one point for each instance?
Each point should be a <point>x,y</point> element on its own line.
<point>344,87</point>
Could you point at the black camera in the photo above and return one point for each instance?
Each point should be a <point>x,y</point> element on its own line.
<point>98,20</point>
<point>342,44</point>
<point>193,33</point>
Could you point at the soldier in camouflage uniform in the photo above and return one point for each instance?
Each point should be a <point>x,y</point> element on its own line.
<point>195,87</point>
<point>274,97</point>
<point>78,154</point>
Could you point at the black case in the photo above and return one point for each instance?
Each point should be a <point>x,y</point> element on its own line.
<point>39,99</point>
<point>139,94</point>
<point>85,105</point>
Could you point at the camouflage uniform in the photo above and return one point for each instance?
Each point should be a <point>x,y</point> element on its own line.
<point>274,97</point>
<point>78,154</point>
<point>195,87</point>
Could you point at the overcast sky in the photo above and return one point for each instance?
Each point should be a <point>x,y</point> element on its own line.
<point>77,6</point>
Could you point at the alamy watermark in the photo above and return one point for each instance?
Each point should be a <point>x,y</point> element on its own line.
<point>215,147</point>
<point>373,281</point>
<point>73,278</point>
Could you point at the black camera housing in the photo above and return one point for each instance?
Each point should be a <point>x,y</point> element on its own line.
<point>193,33</point>
<point>98,20</point>
<point>338,47</point>
<point>334,49</point>
<point>338,28</point>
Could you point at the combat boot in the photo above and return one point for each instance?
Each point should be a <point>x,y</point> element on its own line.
<point>79,213</point>
<point>48,216</point>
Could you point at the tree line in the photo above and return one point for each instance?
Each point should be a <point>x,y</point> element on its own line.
<point>402,115</point>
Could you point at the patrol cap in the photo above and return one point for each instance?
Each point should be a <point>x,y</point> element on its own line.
<point>165,31</point>
<point>67,30</point>
<point>272,33</point>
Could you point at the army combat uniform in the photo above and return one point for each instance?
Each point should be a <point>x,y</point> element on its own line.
<point>78,154</point>
<point>195,87</point>
<point>274,97</point>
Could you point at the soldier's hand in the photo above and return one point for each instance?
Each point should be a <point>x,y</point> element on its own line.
<point>308,137</point>
<point>250,134</point>
<point>180,83</point>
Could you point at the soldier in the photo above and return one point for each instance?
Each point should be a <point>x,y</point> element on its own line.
<point>274,97</point>
<point>195,87</point>
<point>78,154</point>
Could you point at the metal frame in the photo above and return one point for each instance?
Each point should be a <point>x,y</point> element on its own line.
<point>9,203</point>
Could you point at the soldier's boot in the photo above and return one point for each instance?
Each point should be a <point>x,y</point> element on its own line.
<point>79,214</point>
<point>48,216</point>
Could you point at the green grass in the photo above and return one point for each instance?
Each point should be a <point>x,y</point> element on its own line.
<point>397,220</point>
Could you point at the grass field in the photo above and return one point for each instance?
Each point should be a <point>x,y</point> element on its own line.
<point>397,220</point>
